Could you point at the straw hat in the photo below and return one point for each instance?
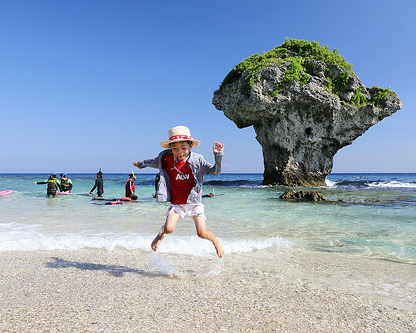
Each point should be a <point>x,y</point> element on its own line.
<point>179,133</point>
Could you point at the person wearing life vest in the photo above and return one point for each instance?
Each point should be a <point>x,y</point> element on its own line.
<point>53,185</point>
<point>66,183</point>
<point>130,187</point>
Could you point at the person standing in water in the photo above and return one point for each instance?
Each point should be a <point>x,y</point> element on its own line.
<point>99,184</point>
<point>181,178</point>
<point>66,183</point>
<point>130,187</point>
<point>53,185</point>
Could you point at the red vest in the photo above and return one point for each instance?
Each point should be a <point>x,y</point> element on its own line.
<point>130,188</point>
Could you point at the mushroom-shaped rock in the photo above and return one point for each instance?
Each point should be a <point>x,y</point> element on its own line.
<point>305,103</point>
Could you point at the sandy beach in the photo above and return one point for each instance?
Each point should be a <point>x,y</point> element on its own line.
<point>117,291</point>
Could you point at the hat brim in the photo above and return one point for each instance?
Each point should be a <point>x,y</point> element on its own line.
<point>166,144</point>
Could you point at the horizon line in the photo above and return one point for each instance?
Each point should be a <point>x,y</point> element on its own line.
<point>153,173</point>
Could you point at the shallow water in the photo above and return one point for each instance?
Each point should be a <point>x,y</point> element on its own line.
<point>375,219</point>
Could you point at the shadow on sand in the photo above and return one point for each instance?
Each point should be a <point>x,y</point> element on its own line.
<point>113,270</point>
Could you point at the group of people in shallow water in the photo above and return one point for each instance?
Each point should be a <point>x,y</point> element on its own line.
<point>64,185</point>
<point>54,185</point>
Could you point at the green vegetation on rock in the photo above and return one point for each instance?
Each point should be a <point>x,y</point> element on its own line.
<point>293,51</point>
<point>358,99</point>
<point>336,84</point>
<point>380,94</point>
<point>296,54</point>
<point>296,71</point>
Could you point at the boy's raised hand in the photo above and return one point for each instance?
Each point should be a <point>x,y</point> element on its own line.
<point>218,147</point>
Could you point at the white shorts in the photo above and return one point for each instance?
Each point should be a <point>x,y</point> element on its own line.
<point>187,210</point>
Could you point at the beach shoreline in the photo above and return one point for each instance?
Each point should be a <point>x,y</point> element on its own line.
<point>95,290</point>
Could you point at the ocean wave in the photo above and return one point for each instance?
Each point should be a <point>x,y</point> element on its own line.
<point>365,183</point>
<point>349,183</point>
<point>330,183</point>
<point>392,184</point>
<point>14,237</point>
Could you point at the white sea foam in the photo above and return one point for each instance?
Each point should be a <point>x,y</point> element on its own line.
<point>392,184</point>
<point>18,237</point>
<point>330,183</point>
<point>199,247</point>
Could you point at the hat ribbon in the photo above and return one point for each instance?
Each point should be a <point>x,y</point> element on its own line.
<point>175,137</point>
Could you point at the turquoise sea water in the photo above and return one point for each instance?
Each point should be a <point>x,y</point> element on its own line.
<point>375,219</point>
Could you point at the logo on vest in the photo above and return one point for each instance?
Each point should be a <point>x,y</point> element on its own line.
<point>182,177</point>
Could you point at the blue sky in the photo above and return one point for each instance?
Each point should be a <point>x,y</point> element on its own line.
<point>97,84</point>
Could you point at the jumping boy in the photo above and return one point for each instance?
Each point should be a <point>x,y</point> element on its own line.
<point>181,178</point>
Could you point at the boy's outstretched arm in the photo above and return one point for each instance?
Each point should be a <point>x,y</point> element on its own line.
<point>152,163</point>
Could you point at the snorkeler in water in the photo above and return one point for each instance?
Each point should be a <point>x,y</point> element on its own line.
<point>99,184</point>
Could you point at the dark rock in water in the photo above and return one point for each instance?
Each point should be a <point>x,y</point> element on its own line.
<point>303,196</point>
<point>303,109</point>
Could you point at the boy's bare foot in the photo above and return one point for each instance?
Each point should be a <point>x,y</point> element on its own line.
<point>156,241</point>
<point>219,249</point>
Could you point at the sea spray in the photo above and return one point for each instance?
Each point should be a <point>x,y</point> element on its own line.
<point>162,266</point>
<point>216,269</point>
<point>158,264</point>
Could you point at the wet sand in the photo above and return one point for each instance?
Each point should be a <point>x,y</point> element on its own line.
<point>117,291</point>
